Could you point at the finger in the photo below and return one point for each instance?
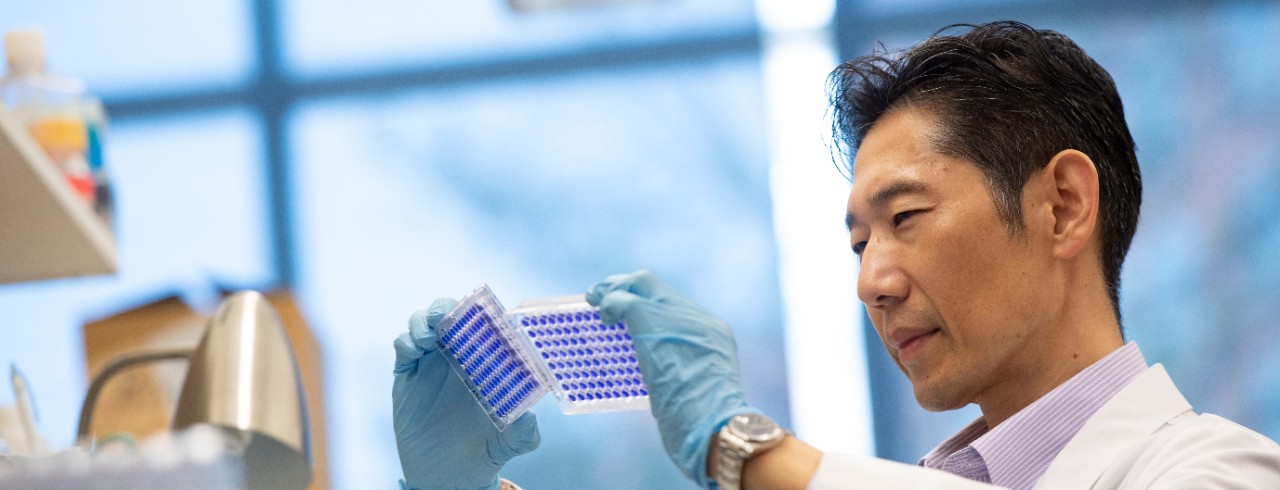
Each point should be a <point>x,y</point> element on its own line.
<point>439,308</point>
<point>407,352</point>
<point>645,283</point>
<point>596,293</point>
<point>421,333</point>
<point>616,305</point>
<point>600,289</point>
<point>636,282</point>
<point>623,278</point>
<point>422,324</point>
<point>520,437</point>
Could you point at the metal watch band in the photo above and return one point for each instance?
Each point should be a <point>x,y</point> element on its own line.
<point>729,468</point>
<point>734,448</point>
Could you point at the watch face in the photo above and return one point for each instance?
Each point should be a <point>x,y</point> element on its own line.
<point>755,427</point>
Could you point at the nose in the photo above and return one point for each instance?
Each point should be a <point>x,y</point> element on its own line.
<point>881,280</point>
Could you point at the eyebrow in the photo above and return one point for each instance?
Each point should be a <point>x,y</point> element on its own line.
<point>882,198</point>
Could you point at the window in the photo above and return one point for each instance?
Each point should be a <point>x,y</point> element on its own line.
<point>539,188</point>
<point>372,160</point>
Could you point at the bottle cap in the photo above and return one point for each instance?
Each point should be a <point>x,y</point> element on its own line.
<point>24,50</point>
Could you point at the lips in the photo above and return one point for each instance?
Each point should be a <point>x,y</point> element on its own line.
<point>909,341</point>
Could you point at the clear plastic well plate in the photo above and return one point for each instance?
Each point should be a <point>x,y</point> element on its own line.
<point>484,350</point>
<point>591,366</point>
<point>510,360</point>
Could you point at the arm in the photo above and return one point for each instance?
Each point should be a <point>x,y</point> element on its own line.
<point>790,465</point>
<point>690,368</point>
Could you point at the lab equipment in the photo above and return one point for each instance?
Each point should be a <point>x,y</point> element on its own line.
<point>444,438</point>
<point>688,359</point>
<point>242,378</point>
<point>64,119</point>
<point>484,348</point>
<point>26,411</point>
<point>591,366</point>
<point>509,360</point>
<point>198,458</point>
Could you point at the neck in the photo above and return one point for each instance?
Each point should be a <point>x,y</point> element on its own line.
<point>1081,332</point>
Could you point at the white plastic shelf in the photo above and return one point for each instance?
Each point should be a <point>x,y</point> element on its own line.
<point>46,231</point>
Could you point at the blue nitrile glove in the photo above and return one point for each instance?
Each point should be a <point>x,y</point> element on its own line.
<point>687,357</point>
<point>445,438</point>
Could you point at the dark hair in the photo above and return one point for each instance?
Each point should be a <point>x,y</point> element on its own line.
<point>1007,97</point>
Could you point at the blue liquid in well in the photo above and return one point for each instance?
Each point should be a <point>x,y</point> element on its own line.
<point>590,361</point>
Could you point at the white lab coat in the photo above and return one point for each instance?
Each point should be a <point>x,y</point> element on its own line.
<point>1147,436</point>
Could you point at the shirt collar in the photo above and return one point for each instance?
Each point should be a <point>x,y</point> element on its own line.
<point>1018,451</point>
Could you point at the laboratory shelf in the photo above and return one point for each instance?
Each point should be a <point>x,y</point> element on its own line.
<point>46,231</point>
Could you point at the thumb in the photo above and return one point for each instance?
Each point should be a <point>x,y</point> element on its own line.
<point>422,326</point>
<point>520,437</point>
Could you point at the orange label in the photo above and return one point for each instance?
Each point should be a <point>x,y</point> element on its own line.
<point>56,134</point>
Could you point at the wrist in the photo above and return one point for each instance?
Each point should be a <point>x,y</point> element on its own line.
<point>743,438</point>
<point>694,449</point>
<point>788,464</point>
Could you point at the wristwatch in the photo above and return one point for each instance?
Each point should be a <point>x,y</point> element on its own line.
<point>743,437</point>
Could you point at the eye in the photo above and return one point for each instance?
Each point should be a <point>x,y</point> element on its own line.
<point>900,217</point>
<point>859,247</point>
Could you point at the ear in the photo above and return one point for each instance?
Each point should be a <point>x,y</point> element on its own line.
<point>1074,199</point>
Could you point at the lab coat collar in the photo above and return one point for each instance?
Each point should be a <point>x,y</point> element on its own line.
<point>1139,410</point>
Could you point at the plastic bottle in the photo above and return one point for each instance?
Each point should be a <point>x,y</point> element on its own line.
<point>60,116</point>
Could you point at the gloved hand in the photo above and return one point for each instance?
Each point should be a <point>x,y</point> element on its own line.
<point>687,357</point>
<point>445,438</point>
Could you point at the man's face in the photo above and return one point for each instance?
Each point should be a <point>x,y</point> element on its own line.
<point>956,299</point>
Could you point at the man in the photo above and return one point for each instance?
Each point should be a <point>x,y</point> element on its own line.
<point>995,195</point>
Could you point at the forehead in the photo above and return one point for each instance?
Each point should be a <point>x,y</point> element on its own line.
<point>898,148</point>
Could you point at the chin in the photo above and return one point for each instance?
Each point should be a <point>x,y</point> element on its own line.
<point>939,397</point>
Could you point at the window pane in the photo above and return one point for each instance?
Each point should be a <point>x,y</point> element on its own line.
<point>189,216</point>
<point>329,35</point>
<point>192,198</point>
<point>539,187</point>
<point>901,7</point>
<point>131,46</point>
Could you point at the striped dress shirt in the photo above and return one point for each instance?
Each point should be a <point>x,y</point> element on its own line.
<point>1016,453</point>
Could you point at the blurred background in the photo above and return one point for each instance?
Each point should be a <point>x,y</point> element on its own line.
<point>369,158</point>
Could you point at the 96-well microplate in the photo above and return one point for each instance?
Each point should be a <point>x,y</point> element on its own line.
<point>592,366</point>
<point>483,350</point>
<point>510,360</point>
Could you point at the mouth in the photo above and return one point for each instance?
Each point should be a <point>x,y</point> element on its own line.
<point>911,342</point>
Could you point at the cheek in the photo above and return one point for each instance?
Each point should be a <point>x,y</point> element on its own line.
<point>978,275</point>
<point>968,249</point>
